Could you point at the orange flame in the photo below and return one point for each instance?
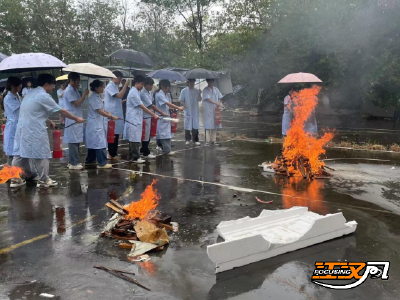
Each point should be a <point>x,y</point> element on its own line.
<point>300,143</point>
<point>10,172</point>
<point>149,201</point>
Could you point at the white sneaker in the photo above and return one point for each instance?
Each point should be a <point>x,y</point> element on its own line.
<point>207,144</point>
<point>187,143</point>
<point>158,148</point>
<point>46,184</point>
<point>17,182</point>
<point>139,161</point>
<point>170,154</point>
<point>77,167</point>
<point>197,144</point>
<point>107,166</point>
<point>150,156</point>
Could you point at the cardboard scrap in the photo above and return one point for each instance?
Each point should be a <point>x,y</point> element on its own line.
<point>141,248</point>
<point>149,233</point>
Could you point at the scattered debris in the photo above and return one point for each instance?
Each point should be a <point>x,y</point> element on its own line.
<point>138,225</point>
<point>265,202</point>
<point>393,168</point>
<point>141,258</point>
<point>273,233</point>
<point>121,275</point>
<point>45,295</point>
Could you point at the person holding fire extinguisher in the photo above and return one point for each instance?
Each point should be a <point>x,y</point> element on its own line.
<point>31,142</point>
<point>190,98</point>
<point>113,103</point>
<point>134,119</point>
<point>147,98</point>
<point>211,100</point>
<point>96,141</point>
<point>163,103</point>
<point>73,135</point>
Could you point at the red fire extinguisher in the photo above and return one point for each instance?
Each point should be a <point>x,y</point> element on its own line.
<point>153,131</point>
<point>144,130</point>
<point>174,125</point>
<point>217,116</point>
<point>57,142</point>
<point>111,132</point>
<point>3,129</point>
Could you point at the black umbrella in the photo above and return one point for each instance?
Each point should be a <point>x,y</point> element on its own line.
<point>133,56</point>
<point>201,74</point>
<point>2,56</point>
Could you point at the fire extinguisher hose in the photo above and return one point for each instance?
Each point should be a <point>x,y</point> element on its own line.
<point>69,125</point>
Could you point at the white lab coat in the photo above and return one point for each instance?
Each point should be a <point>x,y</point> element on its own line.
<point>12,105</point>
<point>73,134</point>
<point>134,114</point>
<point>163,127</point>
<point>31,138</point>
<point>95,130</point>
<point>191,98</point>
<point>114,105</point>
<point>209,108</point>
<point>147,99</point>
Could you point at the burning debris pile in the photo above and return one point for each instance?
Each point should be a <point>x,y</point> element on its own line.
<point>301,150</point>
<point>138,224</point>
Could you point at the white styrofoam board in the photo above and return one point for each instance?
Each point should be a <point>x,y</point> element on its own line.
<point>274,232</point>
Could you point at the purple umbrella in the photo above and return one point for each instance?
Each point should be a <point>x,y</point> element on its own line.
<point>29,62</point>
<point>167,74</point>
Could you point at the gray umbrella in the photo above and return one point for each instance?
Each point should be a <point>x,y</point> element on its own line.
<point>29,62</point>
<point>201,74</point>
<point>2,56</point>
<point>167,74</point>
<point>133,56</point>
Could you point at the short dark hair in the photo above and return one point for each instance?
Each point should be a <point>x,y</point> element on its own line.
<point>46,78</point>
<point>164,83</point>
<point>139,79</point>
<point>189,80</point>
<point>73,76</point>
<point>118,74</point>
<point>210,80</point>
<point>13,81</point>
<point>95,84</point>
<point>149,81</point>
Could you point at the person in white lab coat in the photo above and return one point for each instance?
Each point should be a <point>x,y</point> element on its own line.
<point>27,89</point>
<point>61,102</point>
<point>211,99</point>
<point>12,104</point>
<point>31,138</point>
<point>190,98</point>
<point>73,135</point>
<point>134,117</point>
<point>163,102</point>
<point>287,112</point>
<point>113,103</point>
<point>146,95</point>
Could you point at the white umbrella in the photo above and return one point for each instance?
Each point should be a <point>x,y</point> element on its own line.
<point>29,62</point>
<point>300,78</point>
<point>90,70</point>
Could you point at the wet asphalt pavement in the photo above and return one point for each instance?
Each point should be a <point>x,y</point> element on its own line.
<point>49,240</point>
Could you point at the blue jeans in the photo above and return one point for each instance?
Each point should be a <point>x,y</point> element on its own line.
<point>99,154</point>
<point>73,153</point>
<point>165,145</point>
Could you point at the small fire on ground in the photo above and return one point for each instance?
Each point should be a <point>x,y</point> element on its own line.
<point>9,172</point>
<point>139,222</point>
<point>301,150</point>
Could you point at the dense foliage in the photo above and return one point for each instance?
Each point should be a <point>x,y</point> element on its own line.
<point>352,45</point>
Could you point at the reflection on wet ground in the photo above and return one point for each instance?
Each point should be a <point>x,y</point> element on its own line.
<point>52,237</point>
